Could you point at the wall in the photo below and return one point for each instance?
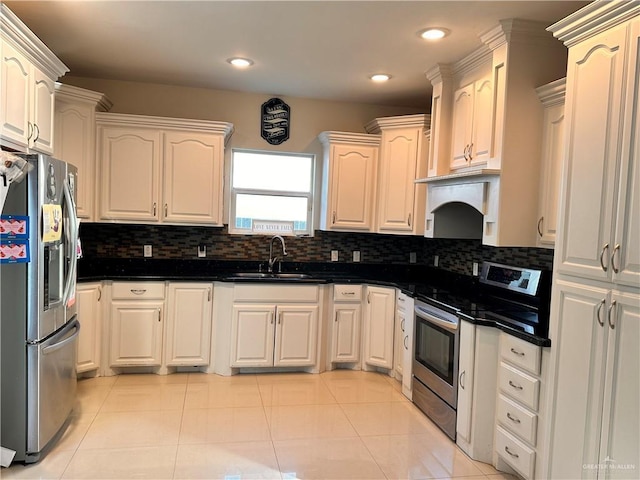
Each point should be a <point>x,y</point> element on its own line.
<point>106,240</point>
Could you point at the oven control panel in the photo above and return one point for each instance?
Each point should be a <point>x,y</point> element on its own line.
<point>521,280</point>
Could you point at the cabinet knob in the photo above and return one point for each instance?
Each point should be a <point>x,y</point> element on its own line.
<point>599,313</point>
<point>540,227</point>
<point>610,318</point>
<point>605,247</point>
<point>614,255</point>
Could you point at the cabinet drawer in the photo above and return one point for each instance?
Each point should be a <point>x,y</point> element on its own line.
<point>517,419</point>
<point>275,293</point>
<point>137,290</point>
<point>520,353</point>
<point>515,453</point>
<point>519,385</point>
<point>347,293</point>
<point>401,302</point>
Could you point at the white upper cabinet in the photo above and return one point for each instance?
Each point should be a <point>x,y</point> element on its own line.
<point>403,159</point>
<point>75,126</point>
<point>552,98</point>
<point>349,181</point>
<point>486,132</point>
<point>157,169</point>
<point>471,125</point>
<point>28,71</point>
<point>601,204</point>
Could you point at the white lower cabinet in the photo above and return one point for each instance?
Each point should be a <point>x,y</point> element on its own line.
<point>188,336</point>
<point>404,315</point>
<point>379,316</point>
<point>519,383</point>
<point>477,380</point>
<point>137,314</point>
<point>89,297</point>
<point>282,334</point>
<point>345,323</point>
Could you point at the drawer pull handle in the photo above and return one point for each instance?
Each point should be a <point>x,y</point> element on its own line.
<point>610,318</point>
<point>605,248</point>
<point>349,293</point>
<point>516,352</point>
<point>406,341</point>
<point>517,387</point>
<point>514,455</point>
<point>599,313</point>
<point>138,291</point>
<point>513,419</point>
<point>402,325</point>
<point>462,375</point>
<point>540,227</point>
<point>99,293</point>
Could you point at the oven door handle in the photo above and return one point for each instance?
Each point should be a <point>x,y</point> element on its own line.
<point>427,316</point>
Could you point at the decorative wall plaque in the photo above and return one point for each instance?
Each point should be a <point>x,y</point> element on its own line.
<point>276,119</point>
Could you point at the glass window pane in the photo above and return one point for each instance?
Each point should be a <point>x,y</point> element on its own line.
<point>265,207</point>
<point>272,172</point>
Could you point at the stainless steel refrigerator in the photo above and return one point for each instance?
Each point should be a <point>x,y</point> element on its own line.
<point>38,313</point>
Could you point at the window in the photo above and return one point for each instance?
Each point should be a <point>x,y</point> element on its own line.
<point>271,186</point>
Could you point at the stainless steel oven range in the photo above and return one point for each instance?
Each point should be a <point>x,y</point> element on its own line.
<point>435,365</point>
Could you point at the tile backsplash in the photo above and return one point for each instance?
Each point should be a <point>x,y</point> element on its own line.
<point>107,240</point>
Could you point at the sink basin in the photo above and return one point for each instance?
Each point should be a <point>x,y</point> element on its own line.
<point>270,276</point>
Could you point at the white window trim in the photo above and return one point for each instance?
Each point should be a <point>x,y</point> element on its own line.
<point>233,192</point>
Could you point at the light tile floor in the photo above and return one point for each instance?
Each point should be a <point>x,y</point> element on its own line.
<point>336,425</point>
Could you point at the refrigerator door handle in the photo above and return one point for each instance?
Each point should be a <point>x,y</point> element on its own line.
<point>57,346</point>
<point>73,220</point>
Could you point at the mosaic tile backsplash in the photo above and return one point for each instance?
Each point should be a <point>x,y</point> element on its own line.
<point>106,240</point>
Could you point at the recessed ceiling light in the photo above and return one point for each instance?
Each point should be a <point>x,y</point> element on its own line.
<point>433,33</point>
<point>240,62</point>
<point>380,77</point>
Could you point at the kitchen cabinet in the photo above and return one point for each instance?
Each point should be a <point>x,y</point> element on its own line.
<point>74,134</point>
<point>596,385</point>
<point>471,124</point>
<point>403,158</point>
<point>477,383</point>
<point>601,206</point>
<point>517,410</point>
<point>594,388</point>
<point>379,315</point>
<point>281,333</point>
<point>161,170</point>
<point>552,99</point>
<point>496,160</point>
<point>89,298</point>
<point>137,318</point>
<point>345,328</point>
<point>349,181</point>
<point>404,348</point>
<point>188,336</point>
<point>28,71</point>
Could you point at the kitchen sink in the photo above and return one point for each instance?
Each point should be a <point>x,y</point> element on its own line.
<point>270,276</point>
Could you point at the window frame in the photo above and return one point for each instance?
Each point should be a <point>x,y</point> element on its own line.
<point>234,192</point>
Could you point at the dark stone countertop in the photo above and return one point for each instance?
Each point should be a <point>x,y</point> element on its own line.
<point>418,281</point>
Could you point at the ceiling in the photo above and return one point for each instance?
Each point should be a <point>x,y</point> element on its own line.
<point>316,49</point>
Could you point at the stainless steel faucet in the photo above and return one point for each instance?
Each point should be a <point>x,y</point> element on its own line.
<point>272,259</point>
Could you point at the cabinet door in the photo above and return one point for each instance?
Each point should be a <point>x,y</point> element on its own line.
<point>15,95</point>
<point>42,113</point>
<point>625,260</point>
<point>482,125</point>
<point>193,176</point>
<point>130,174</point>
<point>398,158</point>
<point>88,297</point>
<point>296,335</point>
<point>136,333</point>
<point>345,336</point>
<point>550,175</point>
<point>593,110</point>
<point>74,142</point>
<point>620,440</point>
<point>579,333</point>
<point>379,327</point>
<point>188,339</point>
<point>252,335</point>
<point>461,126</point>
<point>465,379</point>
<point>353,177</point>
<point>407,345</point>
<point>398,347</point>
